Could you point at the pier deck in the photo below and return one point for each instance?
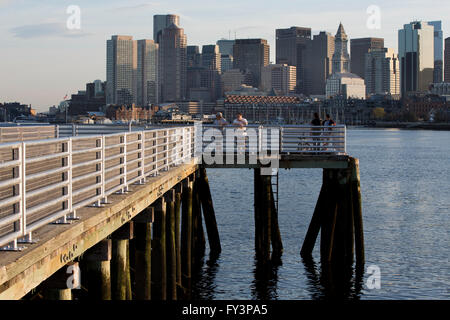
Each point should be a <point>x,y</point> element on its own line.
<point>21,271</point>
<point>60,197</point>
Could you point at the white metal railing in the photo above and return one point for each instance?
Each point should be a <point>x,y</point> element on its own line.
<point>314,139</point>
<point>47,181</point>
<point>284,139</point>
<point>25,133</point>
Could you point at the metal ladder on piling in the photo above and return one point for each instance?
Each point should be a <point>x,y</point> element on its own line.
<point>275,186</point>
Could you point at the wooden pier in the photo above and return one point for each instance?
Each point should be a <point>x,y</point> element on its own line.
<point>143,235</point>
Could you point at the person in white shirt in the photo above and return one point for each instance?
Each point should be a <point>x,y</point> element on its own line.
<point>240,122</point>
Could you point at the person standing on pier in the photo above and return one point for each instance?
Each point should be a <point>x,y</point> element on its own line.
<point>316,131</point>
<point>220,122</point>
<point>240,122</point>
<point>328,122</point>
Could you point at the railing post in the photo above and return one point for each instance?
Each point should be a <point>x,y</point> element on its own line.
<point>23,191</point>
<point>125,179</point>
<point>142,157</point>
<point>103,174</point>
<point>260,140</point>
<point>280,139</point>
<point>166,150</point>
<point>345,139</point>
<point>155,152</point>
<point>72,214</point>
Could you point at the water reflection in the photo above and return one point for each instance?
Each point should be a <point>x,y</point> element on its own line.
<point>265,283</point>
<point>204,278</point>
<point>338,281</point>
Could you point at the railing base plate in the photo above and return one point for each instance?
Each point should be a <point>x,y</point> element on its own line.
<point>12,249</point>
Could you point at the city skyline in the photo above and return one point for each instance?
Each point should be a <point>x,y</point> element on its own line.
<point>44,61</point>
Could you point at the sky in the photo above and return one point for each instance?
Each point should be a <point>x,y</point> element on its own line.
<point>41,60</point>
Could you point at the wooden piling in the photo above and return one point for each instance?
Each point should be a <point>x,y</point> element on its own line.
<point>170,246</point>
<point>277,244</point>
<point>357,211</point>
<point>120,279</point>
<point>143,255</point>
<point>159,266</point>
<point>178,192</point>
<point>186,236</point>
<point>199,242</point>
<point>328,216</point>
<point>58,294</point>
<point>266,211</point>
<point>128,274</point>
<point>209,214</point>
<point>98,267</point>
<point>316,220</point>
<point>257,205</point>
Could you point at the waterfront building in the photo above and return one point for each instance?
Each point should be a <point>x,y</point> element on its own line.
<point>358,50</point>
<point>341,58</point>
<point>173,64</point>
<point>251,55</point>
<point>291,46</point>
<point>279,77</point>
<point>346,84</point>
<point>162,21</point>
<point>121,70</point>
<point>382,73</point>
<point>147,72</point>
<point>318,67</point>
<point>438,73</point>
<point>416,56</point>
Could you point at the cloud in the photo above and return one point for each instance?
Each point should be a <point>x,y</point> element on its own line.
<point>137,7</point>
<point>45,30</point>
<point>4,2</point>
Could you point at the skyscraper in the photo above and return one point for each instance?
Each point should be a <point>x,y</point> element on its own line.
<point>147,72</point>
<point>358,50</point>
<point>162,21</point>
<point>416,56</point>
<point>341,58</point>
<point>121,67</point>
<point>382,74</point>
<point>226,51</point>
<point>447,60</point>
<point>172,64</point>
<point>279,77</point>
<point>291,50</point>
<point>211,57</point>
<point>319,54</point>
<point>194,57</point>
<point>226,62</point>
<point>438,72</point>
<point>226,46</point>
<point>251,55</point>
